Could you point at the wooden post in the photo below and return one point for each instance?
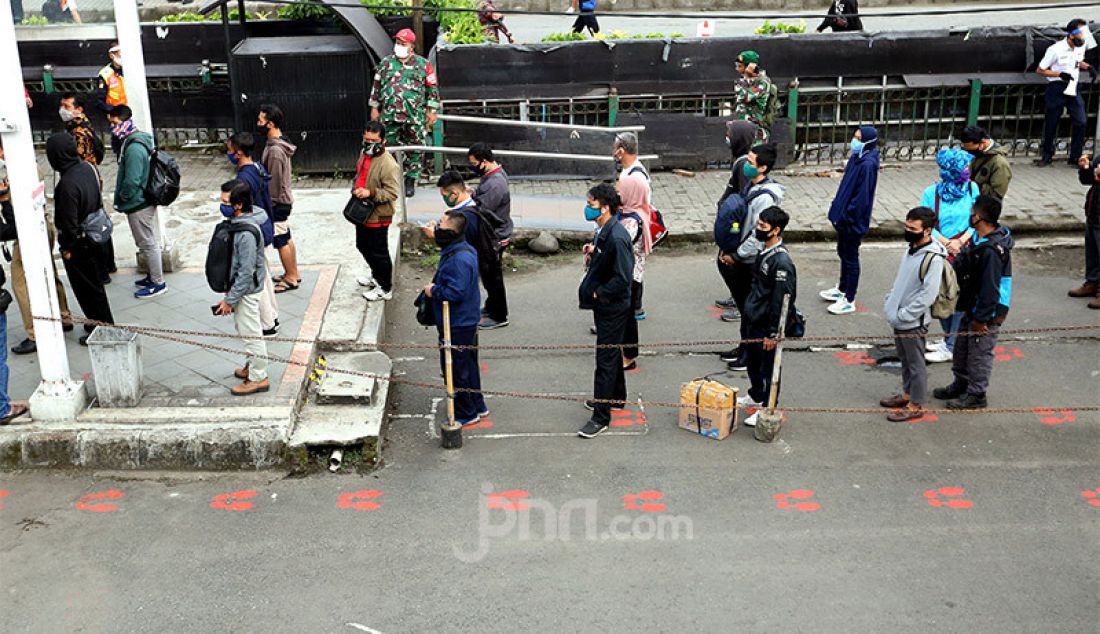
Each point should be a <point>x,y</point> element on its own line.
<point>418,25</point>
<point>451,432</point>
<point>770,421</point>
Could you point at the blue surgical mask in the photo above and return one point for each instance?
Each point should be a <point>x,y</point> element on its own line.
<point>591,213</point>
<point>232,156</point>
<point>750,170</point>
<point>227,210</point>
<point>857,146</point>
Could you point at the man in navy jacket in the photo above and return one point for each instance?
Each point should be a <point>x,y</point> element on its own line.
<point>455,282</point>
<point>850,214</point>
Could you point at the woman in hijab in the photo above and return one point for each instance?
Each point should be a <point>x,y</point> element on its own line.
<point>951,198</point>
<point>635,218</point>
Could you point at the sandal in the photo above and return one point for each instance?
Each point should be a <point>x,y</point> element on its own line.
<point>285,285</point>
<point>14,411</point>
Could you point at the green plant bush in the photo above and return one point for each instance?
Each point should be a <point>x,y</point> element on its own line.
<point>312,11</point>
<point>776,28</point>
<point>35,20</point>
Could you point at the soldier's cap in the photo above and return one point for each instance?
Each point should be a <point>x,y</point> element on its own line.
<point>406,35</point>
<point>748,57</point>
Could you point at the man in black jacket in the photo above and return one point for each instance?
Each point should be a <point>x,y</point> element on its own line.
<point>495,201</point>
<point>605,290</point>
<point>773,277</point>
<point>75,197</point>
<point>1089,174</point>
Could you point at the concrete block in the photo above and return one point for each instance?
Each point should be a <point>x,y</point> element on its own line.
<point>348,389</point>
<point>58,403</point>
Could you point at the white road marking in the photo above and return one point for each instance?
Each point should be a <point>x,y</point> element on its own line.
<point>363,628</point>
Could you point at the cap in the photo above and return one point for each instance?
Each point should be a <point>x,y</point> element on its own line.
<point>114,49</point>
<point>748,57</point>
<point>406,35</point>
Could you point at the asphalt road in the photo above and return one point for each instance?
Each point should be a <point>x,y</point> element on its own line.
<point>859,546</point>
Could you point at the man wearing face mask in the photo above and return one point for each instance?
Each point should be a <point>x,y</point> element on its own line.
<point>1062,65</point>
<point>247,271</point>
<point>239,151</point>
<point>405,98</point>
<point>276,158</point>
<point>91,151</point>
<point>455,282</point>
<point>908,311</point>
<point>377,179</point>
<point>751,91</point>
<point>494,201</point>
<point>984,270</point>
<point>990,169</point>
<point>453,191</point>
<point>605,290</point>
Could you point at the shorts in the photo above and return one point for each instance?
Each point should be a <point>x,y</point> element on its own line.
<point>282,226</point>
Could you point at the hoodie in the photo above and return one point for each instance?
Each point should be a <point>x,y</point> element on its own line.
<point>276,158</point>
<point>984,269</point>
<point>741,135</point>
<point>909,303</point>
<point>750,246</point>
<point>76,195</point>
<point>246,267</point>
<point>992,172</point>
<point>850,212</point>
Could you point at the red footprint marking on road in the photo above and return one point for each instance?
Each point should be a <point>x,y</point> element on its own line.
<point>933,496</point>
<point>853,358</point>
<point>90,502</point>
<point>927,418</point>
<point>1000,353</point>
<point>1052,417</point>
<point>796,494</point>
<point>3,494</point>
<point>233,501</point>
<point>715,311</point>
<point>626,418</point>
<point>644,501</point>
<point>1092,498</point>
<point>506,500</point>
<point>481,424</point>
<point>860,307</point>
<point>484,369</point>
<point>355,500</point>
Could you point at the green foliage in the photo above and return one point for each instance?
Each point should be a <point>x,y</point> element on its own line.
<point>312,11</point>
<point>216,16</point>
<point>776,28</point>
<point>35,20</point>
<point>613,35</point>
<point>398,7</point>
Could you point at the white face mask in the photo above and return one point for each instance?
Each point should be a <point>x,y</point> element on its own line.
<point>401,51</point>
<point>116,59</point>
<point>66,115</point>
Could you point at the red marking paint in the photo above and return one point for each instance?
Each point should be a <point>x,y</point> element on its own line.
<point>482,424</point>
<point>647,505</point>
<point>484,368</point>
<point>1000,353</point>
<point>927,418</point>
<point>90,502</point>
<point>860,308</point>
<point>234,501</point>
<point>653,507</point>
<point>355,500</point>
<point>933,496</point>
<point>715,311</point>
<point>3,494</point>
<point>497,500</point>
<point>1053,417</point>
<point>796,494</point>
<point>626,418</point>
<point>1092,498</point>
<point>853,358</point>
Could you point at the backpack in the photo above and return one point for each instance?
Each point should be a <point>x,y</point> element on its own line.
<point>163,185</point>
<point>486,240</point>
<point>944,304</point>
<point>219,255</point>
<point>657,229</point>
<point>731,217</point>
<point>771,109</point>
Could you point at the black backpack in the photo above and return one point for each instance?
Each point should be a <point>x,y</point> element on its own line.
<point>486,239</point>
<point>163,185</point>
<point>219,255</point>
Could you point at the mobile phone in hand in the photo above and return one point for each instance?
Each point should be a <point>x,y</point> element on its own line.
<point>214,310</point>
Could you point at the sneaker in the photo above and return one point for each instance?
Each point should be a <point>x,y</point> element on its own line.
<point>731,314</point>
<point>955,390</point>
<point>483,414</point>
<point>939,355</point>
<point>151,291</point>
<point>143,282</point>
<point>750,421</point>
<point>932,346</point>
<point>968,401</point>
<point>376,294</point>
<point>739,364</point>
<point>591,429</point>
<point>730,355</point>
<point>366,282</point>
<point>639,315</point>
<point>725,303</point>
<point>842,307</point>
<point>831,295</point>
<point>463,423</point>
<point>488,323</point>
<point>747,402</point>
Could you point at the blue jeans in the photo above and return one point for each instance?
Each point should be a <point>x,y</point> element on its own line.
<point>5,402</point>
<point>951,324</point>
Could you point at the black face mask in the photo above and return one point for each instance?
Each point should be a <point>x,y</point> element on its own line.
<point>975,153</point>
<point>1077,41</point>
<point>261,131</point>
<point>445,237</point>
<point>974,220</point>
<point>479,169</point>
<point>761,235</point>
<point>913,237</point>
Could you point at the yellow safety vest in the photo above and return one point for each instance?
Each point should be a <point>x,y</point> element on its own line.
<point>116,87</point>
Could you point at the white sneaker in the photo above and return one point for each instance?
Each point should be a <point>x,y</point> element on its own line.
<point>368,282</point>
<point>932,345</point>
<point>842,307</point>
<point>831,295</point>
<point>746,401</point>
<point>376,293</point>
<point>939,355</point>
<point>750,421</point>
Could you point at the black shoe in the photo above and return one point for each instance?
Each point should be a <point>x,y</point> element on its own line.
<point>66,327</point>
<point>84,340</point>
<point>731,355</point>
<point>969,401</point>
<point>1042,162</point>
<point>591,429</point>
<point>25,347</point>
<point>271,332</point>
<point>106,280</point>
<point>725,303</point>
<point>739,364</point>
<point>955,390</point>
<point>410,187</point>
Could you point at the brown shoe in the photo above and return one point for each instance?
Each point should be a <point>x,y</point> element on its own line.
<point>250,387</point>
<point>241,373</point>
<point>904,414</point>
<point>1088,289</point>
<point>894,402</point>
<point>1095,303</point>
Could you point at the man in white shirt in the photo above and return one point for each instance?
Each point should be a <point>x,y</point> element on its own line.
<point>1062,65</point>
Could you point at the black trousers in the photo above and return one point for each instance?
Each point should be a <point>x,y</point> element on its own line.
<point>759,365</point>
<point>1056,102</point>
<point>105,254</point>
<point>630,336</point>
<point>609,382</point>
<point>586,20</point>
<point>738,279</point>
<point>17,11</point>
<point>466,372</point>
<point>85,278</point>
<point>491,269</point>
<point>373,244</point>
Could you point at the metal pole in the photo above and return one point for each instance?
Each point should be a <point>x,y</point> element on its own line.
<point>452,431</point>
<point>400,156</point>
<point>28,197</point>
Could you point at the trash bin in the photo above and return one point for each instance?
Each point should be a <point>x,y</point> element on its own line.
<point>116,366</point>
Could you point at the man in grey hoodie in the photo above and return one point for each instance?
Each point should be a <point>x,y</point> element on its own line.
<point>908,311</point>
<point>246,284</point>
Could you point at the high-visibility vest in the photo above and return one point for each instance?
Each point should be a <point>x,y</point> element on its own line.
<point>116,87</point>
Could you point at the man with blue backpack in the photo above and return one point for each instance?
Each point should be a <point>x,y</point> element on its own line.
<point>239,151</point>
<point>738,247</point>
<point>587,18</point>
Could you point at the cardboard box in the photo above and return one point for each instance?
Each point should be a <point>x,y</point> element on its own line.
<point>709,408</point>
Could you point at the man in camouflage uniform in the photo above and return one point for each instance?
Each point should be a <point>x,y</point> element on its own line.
<point>750,94</point>
<point>404,98</point>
